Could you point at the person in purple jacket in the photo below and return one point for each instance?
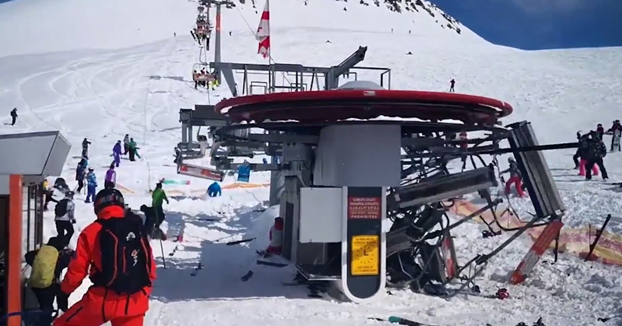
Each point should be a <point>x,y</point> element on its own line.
<point>116,153</point>
<point>111,177</point>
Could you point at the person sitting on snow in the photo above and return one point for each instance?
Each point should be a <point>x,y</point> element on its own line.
<point>276,238</point>
<point>515,178</point>
<point>214,190</point>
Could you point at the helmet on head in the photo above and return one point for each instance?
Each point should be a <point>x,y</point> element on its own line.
<point>511,160</point>
<point>108,197</point>
<point>69,194</point>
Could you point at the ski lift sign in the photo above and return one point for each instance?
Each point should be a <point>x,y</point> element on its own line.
<point>365,255</point>
<point>364,226</point>
<point>364,207</point>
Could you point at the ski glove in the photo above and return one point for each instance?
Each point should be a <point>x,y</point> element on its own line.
<point>62,300</point>
<point>73,221</point>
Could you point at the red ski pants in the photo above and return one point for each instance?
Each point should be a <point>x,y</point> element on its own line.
<point>517,183</point>
<point>120,311</point>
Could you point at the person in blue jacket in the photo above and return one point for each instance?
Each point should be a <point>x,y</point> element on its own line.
<point>214,190</point>
<point>116,153</point>
<point>91,187</point>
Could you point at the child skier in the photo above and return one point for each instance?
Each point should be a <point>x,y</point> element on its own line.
<point>91,187</point>
<point>47,264</point>
<point>515,178</point>
<point>116,153</point>
<point>111,177</point>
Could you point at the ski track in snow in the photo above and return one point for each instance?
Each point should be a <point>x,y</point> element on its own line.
<point>104,94</point>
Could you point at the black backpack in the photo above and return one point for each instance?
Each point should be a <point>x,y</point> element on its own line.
<point>61,208</point>
<point>125,256</point>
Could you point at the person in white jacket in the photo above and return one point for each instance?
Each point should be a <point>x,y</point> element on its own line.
<point>64,220</point>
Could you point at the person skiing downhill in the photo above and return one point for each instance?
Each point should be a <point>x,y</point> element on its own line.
<point>91,187</point>
<point>452,84</point>
<point>111,177</point>
<point>13,116</point>
<point>515,178</point>
<point>85,147</point>
<point>116,153</point>
<point>596,151</point>
<point>119,298</point>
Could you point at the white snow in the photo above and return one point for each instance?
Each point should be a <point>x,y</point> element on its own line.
<point>101,69</point>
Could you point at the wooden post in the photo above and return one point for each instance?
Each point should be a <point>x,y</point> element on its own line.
<point>14,249</point>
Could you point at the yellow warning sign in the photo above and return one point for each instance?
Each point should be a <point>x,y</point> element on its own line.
<point>365,255</point>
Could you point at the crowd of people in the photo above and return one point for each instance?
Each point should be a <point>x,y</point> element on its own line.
<point>117,235</point>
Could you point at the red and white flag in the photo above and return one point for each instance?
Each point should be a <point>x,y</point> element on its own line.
<point>263,32</point>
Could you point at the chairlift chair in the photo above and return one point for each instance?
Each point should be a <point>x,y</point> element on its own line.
<point>208,77</point>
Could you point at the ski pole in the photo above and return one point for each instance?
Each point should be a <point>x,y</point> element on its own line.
<point>162,249</point>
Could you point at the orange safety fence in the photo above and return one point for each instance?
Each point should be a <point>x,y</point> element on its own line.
<point>576,241</point>
<point>237,185</point>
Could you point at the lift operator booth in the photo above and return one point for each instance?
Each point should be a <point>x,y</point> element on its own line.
<point>25,161</point>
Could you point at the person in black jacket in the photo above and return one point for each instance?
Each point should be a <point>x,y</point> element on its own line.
<point>581,149</point>
<point>595,152</point>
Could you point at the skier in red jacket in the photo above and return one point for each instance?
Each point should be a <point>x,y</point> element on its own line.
<point>103,250</point>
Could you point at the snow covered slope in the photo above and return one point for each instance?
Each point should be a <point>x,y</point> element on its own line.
<point>94,89</point>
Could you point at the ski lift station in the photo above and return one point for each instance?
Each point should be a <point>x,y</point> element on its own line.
<point>342,164</point>
<point>21,207</point>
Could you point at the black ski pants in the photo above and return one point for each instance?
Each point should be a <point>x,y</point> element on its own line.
<point>590,163</point>
<point>13,120</point>
<point>80,185</point>
<point>108,184</point>
<point>132,154</point>
<point>64,230</point>
<point>159,216</point>
<point>45,298</point>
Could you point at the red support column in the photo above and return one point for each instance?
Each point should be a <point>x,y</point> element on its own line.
<point>14,258</point>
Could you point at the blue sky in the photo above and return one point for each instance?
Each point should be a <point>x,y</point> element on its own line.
<point>539,24</point>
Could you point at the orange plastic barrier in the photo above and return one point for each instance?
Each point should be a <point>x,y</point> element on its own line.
<point>237,185</point>
<point>577,241</point>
